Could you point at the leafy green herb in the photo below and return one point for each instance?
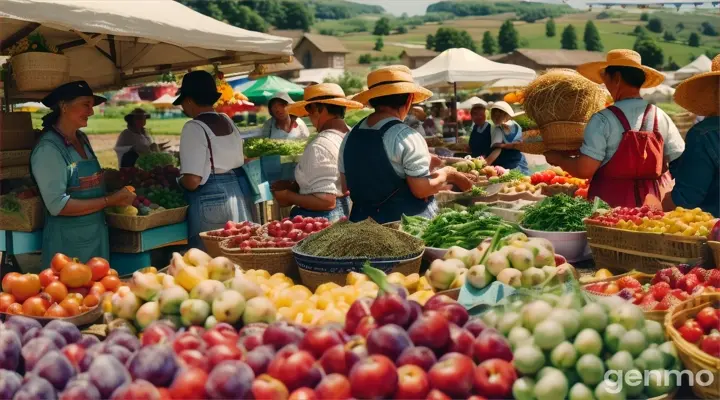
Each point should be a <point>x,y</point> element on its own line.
<point>560,213</point>
<point>9,204</point>
<point>512,175</point>
<point>148,161</point>
<point>257,147</point>
<point>464,228</point>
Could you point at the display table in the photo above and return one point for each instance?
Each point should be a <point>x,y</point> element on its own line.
<point>14,243</point>
<point>130,251</point>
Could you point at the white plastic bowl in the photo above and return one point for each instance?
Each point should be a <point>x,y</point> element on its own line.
<point>571,245</point>
<point>434,253</point>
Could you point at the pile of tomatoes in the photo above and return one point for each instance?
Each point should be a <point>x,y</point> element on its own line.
<point>556,175</point>
<point>66,289</point>
<point>703,331</point>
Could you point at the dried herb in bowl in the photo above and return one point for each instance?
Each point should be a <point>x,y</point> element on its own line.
<point>365,239</point>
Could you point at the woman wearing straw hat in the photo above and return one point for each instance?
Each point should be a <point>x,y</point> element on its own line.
<point>504,133</point>
<point>283,125</point>
<point>386,164</point>
<point>135,140</point>
<point>319,190</point>
<point>628,145</point>
<point>697,183</point>
<point>211,154</point>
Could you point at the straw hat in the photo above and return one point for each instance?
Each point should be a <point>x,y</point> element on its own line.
<point>395,79</point>
<point>506,108</point>
<point>326,93</point>
<point>136,112</point>
<point>419,113</point>
<point>621,58</point>
<point>700,94</point>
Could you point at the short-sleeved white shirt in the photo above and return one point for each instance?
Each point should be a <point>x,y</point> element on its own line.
<point>195,156</point>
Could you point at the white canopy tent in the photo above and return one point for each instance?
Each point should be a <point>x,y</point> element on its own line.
<point>165,99</point>
<point>463,68</point>
<point>506,85</point>
<point>698,66</point>
<point>469,103</point>
<point>658,94</point>
<point>115,43</point>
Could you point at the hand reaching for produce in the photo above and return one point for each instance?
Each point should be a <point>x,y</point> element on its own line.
<point>459,179</point>
<point>435,162</point>
<point>282,197</point>
<point>122,197</point>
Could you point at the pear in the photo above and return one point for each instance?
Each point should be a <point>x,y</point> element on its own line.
<point>189,277</point>
<point>245,287</point>
<point>221,269</point>
<point>479,276</point>
<point>511,277</point>
<point>171,298</point>
<point>145,285</point>
<point>207,290</point>
<point>197,257</point>
<point>441,274</point>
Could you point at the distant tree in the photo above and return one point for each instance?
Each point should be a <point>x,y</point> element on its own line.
<point>448,38</point>
<point>550,28</point>
<point>508,37</point>
<point>382,27</point>
<point>708,29</point>
<point>271,11</point>
<point>644,17</point>
<point>694,40</point>
<point>591,37</point>
<point>604,15</point>
<point>489,45</point>
<point>365,58</point>
<point>669,37</point>
<point>297,16</point>
<point>671,65</point>
<point>651,54</point>
<point>640,31</point>
<point>401,30</point>
<point>680,26</point>
<point>711,54</point>
<point>349,82</point>
<point>655,25</point>
<point>379,44</point>
<point>430,42</point>
<point>568,41</point>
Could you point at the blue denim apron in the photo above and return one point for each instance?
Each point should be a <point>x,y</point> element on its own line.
<point>511,158</point>
<point>376,190</point>
<point>85,236</point>
<point>342,209</point>
<point>480,141</point>
<point>222,198</point>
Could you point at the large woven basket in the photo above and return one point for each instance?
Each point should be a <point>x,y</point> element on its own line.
<point>212,244</point>
<point>643,278</point>
<point>673,248</point>
<point>623,261</point>
<point>278,260</point>
<point>715,250</point>
<point>563,135</point>
<point>16,172</point>
<point>13,158</point>
<point>137,223</point>
<point>532,143</point>
<point>30,217</point>
<point>692,357</point>
<point>36,71</point>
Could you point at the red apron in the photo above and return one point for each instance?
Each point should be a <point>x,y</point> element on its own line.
<point>635,169</point>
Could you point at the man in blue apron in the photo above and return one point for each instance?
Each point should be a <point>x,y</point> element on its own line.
<point>70,179</point>
<point>385,164</point>
<point>480,141</point>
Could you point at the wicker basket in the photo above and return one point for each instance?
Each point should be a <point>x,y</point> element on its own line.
<point>13,158</point>
<point>137,223</point>
<point>556,188</point>
<point>715,250</point>
<point>16,172</point>
<point>670,247</point>
<point>30,217</point>
<point>692,357</point>
<point>563,135</point>
<point>532,143</point>
<point>212,244</point>
<point>312,279</point>
<point>36,71</point>
<point>278,260</point>
<point>17,131</point>
<point>622,261</point>
<point>654,315</point>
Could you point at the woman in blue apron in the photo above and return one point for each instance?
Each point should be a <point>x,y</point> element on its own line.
<point>480,140</point>
<point>319,190</point>
<point>211,156</point>
<point>70,179</point>
<point>504,133</point>
<point>386,164</point>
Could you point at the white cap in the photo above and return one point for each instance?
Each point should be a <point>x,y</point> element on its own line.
<point>503,106</point>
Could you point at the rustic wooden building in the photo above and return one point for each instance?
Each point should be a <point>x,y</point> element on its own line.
<point>542,59</point>
<point>320,51</point>
<point>415,58</point>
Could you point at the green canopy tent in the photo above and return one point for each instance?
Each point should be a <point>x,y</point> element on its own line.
<point>261,90</point>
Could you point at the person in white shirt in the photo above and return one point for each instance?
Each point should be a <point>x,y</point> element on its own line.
<point>283,125</point>
<point>319,190</point>
<point>211,154</point>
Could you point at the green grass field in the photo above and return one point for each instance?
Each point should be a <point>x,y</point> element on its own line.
<point>99,125</point>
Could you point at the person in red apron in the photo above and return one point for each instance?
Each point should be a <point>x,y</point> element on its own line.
<point>627,146</point>
<point>70,179</point>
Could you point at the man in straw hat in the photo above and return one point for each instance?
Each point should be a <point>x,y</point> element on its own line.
<point>696,171</point>
<point>628,145</point>
<point>386,164</point>
<point>318,192</point>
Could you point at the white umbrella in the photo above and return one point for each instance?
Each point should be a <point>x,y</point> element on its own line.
<point>114,43</point>
<point>165,99</point>
<point>469,103</point>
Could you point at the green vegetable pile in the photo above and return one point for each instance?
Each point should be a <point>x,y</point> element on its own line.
<point>257,147</point>
<point>148,161</point>
<point>560,213</point>
<point>166,198</point>
<point>512,175</point>
<point>464,228</point>
<point>9,204</point>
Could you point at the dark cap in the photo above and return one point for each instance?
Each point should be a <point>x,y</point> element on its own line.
<point>199,86</point>
<point>136,112</point>
<point>71,91</point>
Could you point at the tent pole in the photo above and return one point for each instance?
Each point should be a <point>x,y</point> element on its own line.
<point>454,108</point>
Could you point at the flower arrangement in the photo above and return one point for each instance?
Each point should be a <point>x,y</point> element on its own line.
<point>33,43</point>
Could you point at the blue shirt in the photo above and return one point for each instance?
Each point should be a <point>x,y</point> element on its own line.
<point>604,131</point>
<point>696,171</point>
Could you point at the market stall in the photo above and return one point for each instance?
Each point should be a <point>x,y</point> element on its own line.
<point>53,42</point>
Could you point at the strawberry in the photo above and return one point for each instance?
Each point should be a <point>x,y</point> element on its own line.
<point>660,290</point>
<point>669,301</point>
<point>628,282</point>
<point>596,287</point>
<point>688,283</point>
<point>700,272</point>
<point>649,298</point>
<point>652,305</point>
<point>713,278</point>
<point>662,276</point>
<point>679,294</point>
<point>675,277</point>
